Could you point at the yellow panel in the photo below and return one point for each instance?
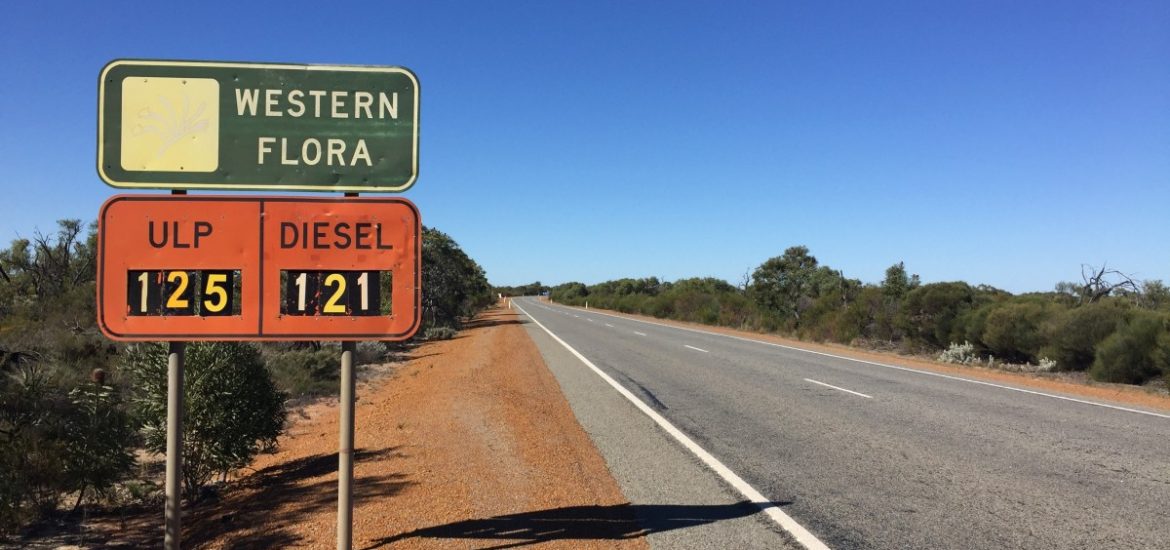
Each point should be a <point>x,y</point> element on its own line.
<point>170,124</point>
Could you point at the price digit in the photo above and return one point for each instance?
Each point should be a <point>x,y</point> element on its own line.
<point>179,292</point>
<point>332,306</point>
<point>217,293</point>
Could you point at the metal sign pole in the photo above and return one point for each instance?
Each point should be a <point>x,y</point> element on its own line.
<point>345,449</point>
<point>174,512</point>
<point>345,452</point>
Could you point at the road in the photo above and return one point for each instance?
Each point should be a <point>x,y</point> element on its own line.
<point>870,456</point>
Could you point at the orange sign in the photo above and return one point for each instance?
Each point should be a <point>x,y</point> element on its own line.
<point>175,267</point>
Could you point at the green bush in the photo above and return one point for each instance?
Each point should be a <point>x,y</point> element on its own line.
<point>1162,355</point>
<point>99,440</point>
<point>54,442</point>
<point>31,449</point>
<point>439,333</point>
<point>1012,330</point>
<point>1134,353</point>
<point>368,353</point>
<point>233,408</point>
<point>929,313</point>
<point>305,372</point>
<point>1073,335</point>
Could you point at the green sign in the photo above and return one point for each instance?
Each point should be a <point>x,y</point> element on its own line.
<point>206,125</point>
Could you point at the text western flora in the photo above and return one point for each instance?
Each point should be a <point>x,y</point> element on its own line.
<point>333,104</point>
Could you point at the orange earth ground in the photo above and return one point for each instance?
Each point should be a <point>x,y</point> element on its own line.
<point>470,444</point>
<point>1064,383</point>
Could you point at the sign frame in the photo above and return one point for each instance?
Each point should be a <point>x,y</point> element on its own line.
<point>263,268</point>
<point>221,181</point>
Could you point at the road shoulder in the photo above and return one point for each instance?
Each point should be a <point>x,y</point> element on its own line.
<point>679,501</point>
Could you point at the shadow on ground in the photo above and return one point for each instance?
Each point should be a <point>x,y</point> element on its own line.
<point>259,511</point>
<point>622,521</point>
<point>491,320</point>
<point>276,498</point>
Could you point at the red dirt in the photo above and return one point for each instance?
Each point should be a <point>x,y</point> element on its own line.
<point>470,444</point>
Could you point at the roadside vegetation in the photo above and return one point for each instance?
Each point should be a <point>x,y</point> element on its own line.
<point>1108,325</point>
<point>78,412</point>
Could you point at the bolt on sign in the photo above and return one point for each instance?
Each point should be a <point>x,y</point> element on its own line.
<point>175,267</point>
<point>207,125</point>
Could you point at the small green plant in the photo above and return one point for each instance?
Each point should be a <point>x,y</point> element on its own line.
<point>306,372</point>
<point>1046,365</point>
<point>439,333</point>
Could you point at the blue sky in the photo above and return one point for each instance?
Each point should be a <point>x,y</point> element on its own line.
<point>1003,143</point>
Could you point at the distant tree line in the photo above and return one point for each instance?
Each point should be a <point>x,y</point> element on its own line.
<point>531,289</point>
<point>1115,328</point>
<point>75,407</point>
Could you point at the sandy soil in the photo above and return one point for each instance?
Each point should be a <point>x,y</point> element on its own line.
<point>469,445</point>
<point>1055,382</point>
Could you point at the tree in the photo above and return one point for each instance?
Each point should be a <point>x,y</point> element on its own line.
<point>1101,282</point>
<point>454,286</point>
<point>779,283</point>
<point>1155,295</point>
<point>897,283</point>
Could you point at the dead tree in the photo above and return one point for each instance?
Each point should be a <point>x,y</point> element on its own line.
<point>1102,282</point>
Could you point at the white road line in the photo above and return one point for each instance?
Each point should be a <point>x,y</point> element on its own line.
<point>696,349</point>
<point>609,325</point>
<point>837,388</point>
<point>895,367</point>
<point>590,320</point>
<point>639,333</point>
<point>798,532</point>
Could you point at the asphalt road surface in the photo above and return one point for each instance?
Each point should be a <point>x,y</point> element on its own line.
<point>858,454</point>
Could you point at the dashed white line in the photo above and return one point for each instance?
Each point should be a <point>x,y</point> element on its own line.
<point>837,388</point>
<point>696,349</point>
<point>639,333</point>
<point>798,532</point>
<point>588,319</point>
<point>609,325</point>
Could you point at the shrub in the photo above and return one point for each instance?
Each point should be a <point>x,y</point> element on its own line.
<point>1012,330</point>
<point>1073,334</point>
<point>1162,355</point>
<point>928,314</point>
<point>306,372</point>
<point>962,354</point>
<point>439,333</point>
<point>233,408</point>
<point>53,442</point>
<point>1047,365</point>
<point>369,353</point>
<point>99,440</point>
<point>1132,354</point>
<point>31,450</point>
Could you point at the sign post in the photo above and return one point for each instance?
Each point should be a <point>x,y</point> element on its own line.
<point>257,268</point>
<point>174,489</point>
<point>345,450</point>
